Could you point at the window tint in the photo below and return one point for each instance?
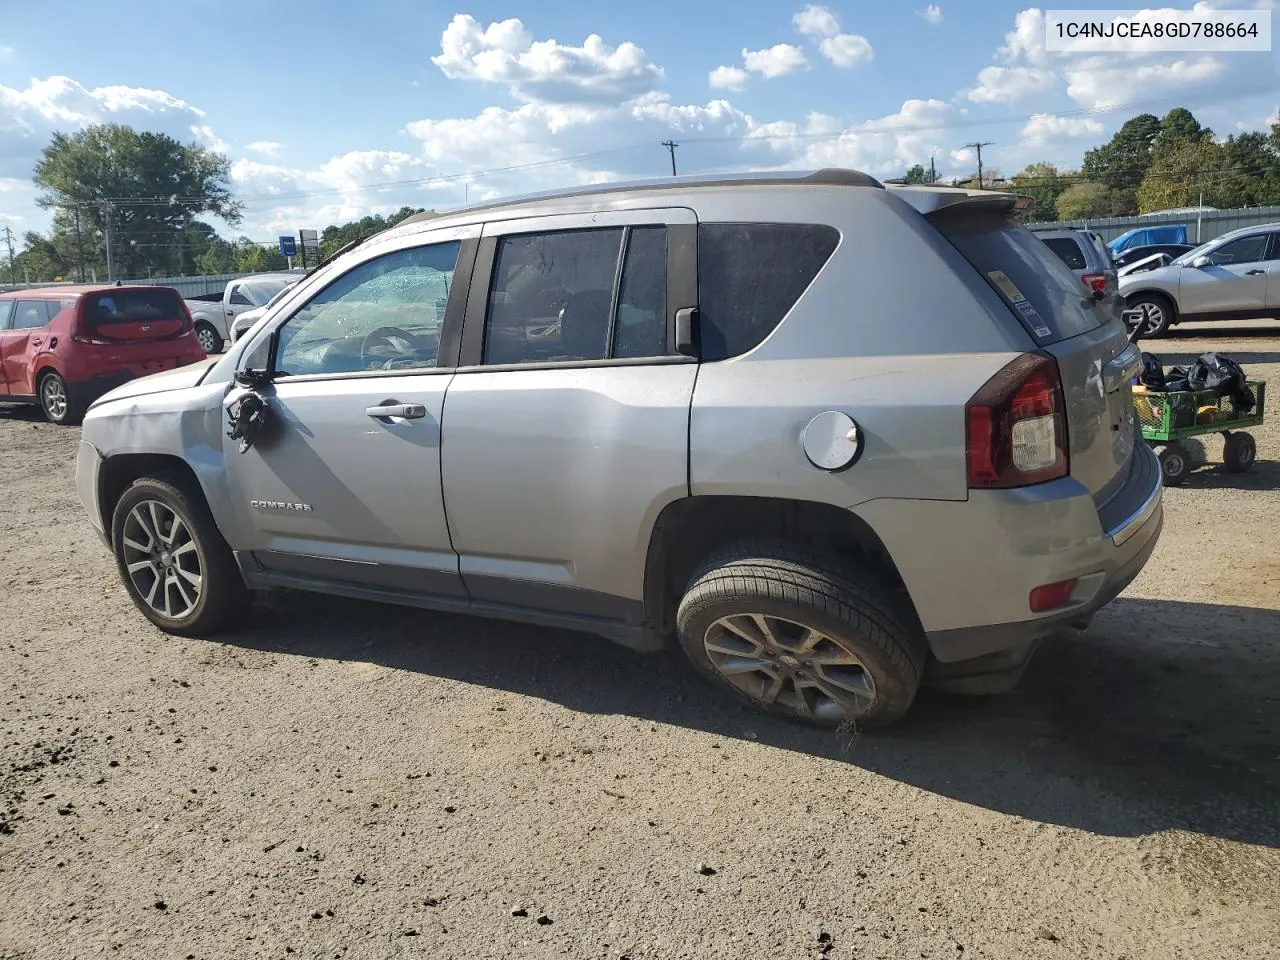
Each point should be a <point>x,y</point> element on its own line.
<point>132,306</point>
<point>1068,251</point>
<point>383,315</point>
<point>32,314</point>
<point>641,326</point>
<point>750,275</point>
<point>6,312</point>
<point>1243,250</point>
<point>239,299</point>
<point>553,296</point>
<point>1272,254</point>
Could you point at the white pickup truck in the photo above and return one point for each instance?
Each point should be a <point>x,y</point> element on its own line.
<point>214,313</point>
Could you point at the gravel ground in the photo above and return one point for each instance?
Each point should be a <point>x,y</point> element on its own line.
<point>348,780</point>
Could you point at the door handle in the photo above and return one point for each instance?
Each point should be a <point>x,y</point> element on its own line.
<point>403,411</point>
<point>36,341</point>
<point>1255,273</point>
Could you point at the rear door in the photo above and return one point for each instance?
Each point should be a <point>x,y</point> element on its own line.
<point>566,428</point>
<point>1084,335</point>
<point>1234,280</point>
<point>6,313</point>
<point>28,326</point>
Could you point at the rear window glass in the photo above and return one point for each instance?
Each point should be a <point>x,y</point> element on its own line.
<point>1046,297</point>
<point>132,306</point>
<point>1068,251</point>
<point>750,275</point>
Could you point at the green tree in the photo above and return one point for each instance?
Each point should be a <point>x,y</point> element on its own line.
<point>1252,177</point>
<point>148,186</point>
<point>1043,184</point>
<point>916,174</point>
<point>1122,162</point>
<point>1085,201</point>
<point>218,258</point>
<point>1178,127</point>
<point>256,258</point>
<point>336,236</point>
<point>1191,171</point>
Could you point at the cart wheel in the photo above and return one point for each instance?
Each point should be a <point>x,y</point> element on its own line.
<point>1175,464</point>
<point>1240,452</point>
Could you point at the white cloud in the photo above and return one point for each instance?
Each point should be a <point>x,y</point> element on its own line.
<point>776,61</point>
<point>1103,81</point>
<point>267,148</point>
<point>932,14</point>
<point>1026,39</point>
<point>9,184</point>
<point>728,78</point>
<point>5,52</point>
<point>1011,84</point>
<point>208,139</point>
<point>822,26</point>
<point>1044,127</point>
<point>544,70</point>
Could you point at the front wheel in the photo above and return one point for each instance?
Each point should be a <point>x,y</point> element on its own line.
<point>1148,318</point>
<point>210,339</point>
<point>799,634</point>
<point>1240,452</point>
<point>174,562</point>
<point>56,401</point>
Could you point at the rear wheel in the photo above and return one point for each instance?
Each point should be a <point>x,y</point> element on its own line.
<point>174,562</point>
<point>1240,452</point>
<point>210,339</point>
<point>799,634</point>
<point>56,401</point>
<point>1175,464</point>
<point>1149,315</point>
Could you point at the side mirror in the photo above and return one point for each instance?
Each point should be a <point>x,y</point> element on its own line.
<point>1201,262</point>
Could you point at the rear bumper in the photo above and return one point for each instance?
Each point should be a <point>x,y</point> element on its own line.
<point>970,566</point>
<point>84,392</point>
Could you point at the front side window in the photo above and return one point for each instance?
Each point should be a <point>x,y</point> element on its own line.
<point>561,296</point>
<point>386,314</point>
<point>6,313</point>
<point>31,315</point>
<point>1249,249</point>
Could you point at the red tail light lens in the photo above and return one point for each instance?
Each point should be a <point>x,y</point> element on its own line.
<point>1016,426</point>
<point>1097,282</point>
<point>1052,595</point>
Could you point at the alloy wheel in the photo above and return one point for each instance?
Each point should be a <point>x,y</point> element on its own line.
<point>162,560</point>
<point>208,339</point>
<point>53,393</point>
<point>1150,318</point>
<point>778,662</point>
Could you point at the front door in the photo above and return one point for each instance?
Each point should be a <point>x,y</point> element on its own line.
<point>6,314</point>
<point>19,342</point>
<point>1234,280</point>
<point>335,489</point>
<point>566,427</point>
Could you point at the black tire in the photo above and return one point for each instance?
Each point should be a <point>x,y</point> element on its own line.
<point>1158,314</point>
<point>57,402</point>
<point>206,334</point>
<point>796,588</point>
<point>1175,464</point>
<point>1240,452</point>
<point>222,597</point>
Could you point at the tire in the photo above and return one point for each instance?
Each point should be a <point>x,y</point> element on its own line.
<point>792,590</point>
<point>1175,464</point>
<point>1156,316</point>
<point>1240,452</point>
<point>57,402</point>
<point>220,598</point>
<point>209,338</point>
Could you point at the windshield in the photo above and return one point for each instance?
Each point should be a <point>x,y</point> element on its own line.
<point>280,294</point>
<point>264,291</point>
<point>1194,252</point>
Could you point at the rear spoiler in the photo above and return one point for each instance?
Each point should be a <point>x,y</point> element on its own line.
<point>932,200</point>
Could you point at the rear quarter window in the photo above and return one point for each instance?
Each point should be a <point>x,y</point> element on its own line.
<point>997,247</point>
<point>750,275</point>
<point>1068,251</point>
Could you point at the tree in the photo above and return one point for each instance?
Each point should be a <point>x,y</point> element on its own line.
<point>1177,128</point>
<point>1181,177</point>
<point>335,237</point>
<point>1043,184</point>
<point>256,258</point>
<point>219,258</point>
<point>1085,201</point>
<point>1122,162</point>
<point>147,187</point>
<point>1253,172</point>
<point>916,174</point>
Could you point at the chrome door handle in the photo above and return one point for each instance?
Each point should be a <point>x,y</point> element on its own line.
<point>1255,273</point>
<point>403,411</point>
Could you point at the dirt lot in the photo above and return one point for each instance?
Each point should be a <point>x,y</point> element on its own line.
<point>347,780</point>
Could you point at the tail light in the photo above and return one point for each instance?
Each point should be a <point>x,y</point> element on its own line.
<point>1097,282</point>
<point>1052,595</point>
<point>1016,426</point>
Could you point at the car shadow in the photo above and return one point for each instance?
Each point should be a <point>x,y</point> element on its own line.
<point>22,412</point>
<point>1163,715</point>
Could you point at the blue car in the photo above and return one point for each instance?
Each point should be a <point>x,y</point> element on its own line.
<point>1148,236</point>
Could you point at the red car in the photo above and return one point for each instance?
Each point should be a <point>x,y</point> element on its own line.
<point>63,347</point>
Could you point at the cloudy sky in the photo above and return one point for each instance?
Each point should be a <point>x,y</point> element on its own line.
<point>330,113</point>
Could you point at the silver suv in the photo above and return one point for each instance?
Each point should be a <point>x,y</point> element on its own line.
<point>837,439</point>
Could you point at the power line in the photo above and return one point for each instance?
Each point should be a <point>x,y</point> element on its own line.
<point>978,146</point>
<point>671,148</point>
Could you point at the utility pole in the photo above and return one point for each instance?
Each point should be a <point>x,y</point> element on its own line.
<point>978,147</point>
<point>106,217</point>
<point>933,171</point>
<point>13,271</point>
<point>79,244</point>
<point>302,249</point>
<point>671,147</point>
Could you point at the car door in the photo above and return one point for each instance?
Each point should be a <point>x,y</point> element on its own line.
<point>1273,273</point>
<point>23,338</point>
<point>335,490</point>
<point>6,313</point>
<point>1233,281</point>
<point>566,426</point>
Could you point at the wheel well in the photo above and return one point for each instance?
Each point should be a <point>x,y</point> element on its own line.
<point>40,376</point>
<point>118,472</point>
<point>689,529</point>
<point>1154,295</point>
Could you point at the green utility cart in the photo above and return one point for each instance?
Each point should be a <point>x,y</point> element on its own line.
<point>1169,418</point>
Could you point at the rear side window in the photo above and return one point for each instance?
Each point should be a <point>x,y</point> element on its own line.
<point>1046,297</point>
<point>6,312</point>
<point>132,306</point>
<point>33,314</point>
<point>1068,251</point>
<point>750,275</point>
